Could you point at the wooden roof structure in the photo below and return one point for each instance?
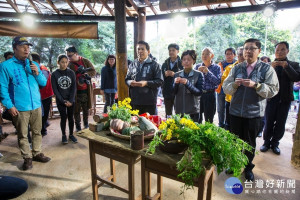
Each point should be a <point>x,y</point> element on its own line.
<point>103,10</point>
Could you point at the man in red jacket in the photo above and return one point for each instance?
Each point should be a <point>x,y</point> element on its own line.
<point>46,93</point>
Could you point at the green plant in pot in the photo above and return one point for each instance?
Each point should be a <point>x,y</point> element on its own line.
<point>205,141</point>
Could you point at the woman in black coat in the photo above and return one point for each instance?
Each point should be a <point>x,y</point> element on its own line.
<point>109,81</point>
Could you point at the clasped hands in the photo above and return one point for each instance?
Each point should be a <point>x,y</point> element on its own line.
<point>180,80</point>
<point>203,69</point>
<point>275,64</point>
<point>169,73</point>
<point>244,82</point>
<point>138,83</point>
<point>68,103</point>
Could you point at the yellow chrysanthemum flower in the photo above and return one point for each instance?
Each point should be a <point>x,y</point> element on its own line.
<point>169,134</point>
<point>163,126</point>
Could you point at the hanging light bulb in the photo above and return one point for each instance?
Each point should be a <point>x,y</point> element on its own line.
<point>28,20</point>
<point>269,10</point>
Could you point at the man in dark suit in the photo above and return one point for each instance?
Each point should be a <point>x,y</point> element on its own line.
<point>278,106</point>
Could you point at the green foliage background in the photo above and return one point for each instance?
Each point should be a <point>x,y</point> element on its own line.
<point>222,31</point>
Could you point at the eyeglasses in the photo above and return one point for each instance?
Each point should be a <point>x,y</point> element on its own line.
<point>70,55</point>
<point>250,49</point>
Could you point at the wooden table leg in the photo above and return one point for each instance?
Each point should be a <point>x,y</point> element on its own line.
<point>93,171</point>
<point>159,186</point>
<point>210,185</point>
<point>202,187</point>
<point>113,170</point>
<point>148,179</point>
<point>145,180</point>
<point>131,180</point>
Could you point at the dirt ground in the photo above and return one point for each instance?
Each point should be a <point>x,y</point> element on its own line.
<point>67,175</point>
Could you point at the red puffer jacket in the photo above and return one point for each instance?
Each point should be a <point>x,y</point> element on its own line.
<point>46,91</point>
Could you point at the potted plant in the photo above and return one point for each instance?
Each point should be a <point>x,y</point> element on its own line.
<point>204,141</point>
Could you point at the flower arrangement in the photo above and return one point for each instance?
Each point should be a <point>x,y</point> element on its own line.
<point>204,141</point>
<point>172,126</point>
<point>122,110</point>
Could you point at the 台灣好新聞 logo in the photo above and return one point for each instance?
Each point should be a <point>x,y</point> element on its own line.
<point>233,186</point>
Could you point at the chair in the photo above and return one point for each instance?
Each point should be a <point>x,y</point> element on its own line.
<point>53,108</point>
<point>97,104</point>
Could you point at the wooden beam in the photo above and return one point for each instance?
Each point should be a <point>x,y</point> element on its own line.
<point>67,17</point>
<point>101,10</point>
<point>253,2</point>
<point>54,7</point>
<point>73,7</point>
<point>13,5</point>
<point>128,12</point>
<point>229,5</point>
<point>197,13</point>
<point>104,3</point>
<point>189,9</point>
<point>208,7</point>
<point>83,8</point>
<point>151,6</point>
<point>133,5</point>
<point>35,7</point>
<point>90,7</point>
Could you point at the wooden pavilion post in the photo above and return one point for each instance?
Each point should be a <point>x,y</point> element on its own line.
<point>141,24</point>
<point>121,48</point>
<point>135,37</point>
<point>296,146</point>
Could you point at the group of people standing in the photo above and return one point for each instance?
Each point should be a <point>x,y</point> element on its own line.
<point>245,91</point>
<point>26,90</point>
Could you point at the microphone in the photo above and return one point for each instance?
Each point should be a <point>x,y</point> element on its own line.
<point>30,62</point>
<point>30,58</point>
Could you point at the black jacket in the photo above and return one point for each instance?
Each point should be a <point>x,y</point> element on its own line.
<point>187,99</point>
<point>150,71</point>
<point>108,78</point>
<point>64,85</point>
<point>167,88</point>
<point>287,76</point>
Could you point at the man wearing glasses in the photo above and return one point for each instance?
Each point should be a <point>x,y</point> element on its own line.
<point>83,69</point>
<point>250,83</point>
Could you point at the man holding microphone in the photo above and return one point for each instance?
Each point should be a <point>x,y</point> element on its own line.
<point>24,105</point>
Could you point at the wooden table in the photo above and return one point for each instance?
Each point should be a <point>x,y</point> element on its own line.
<point>161,163</point>
<point>164,164</point>
<point>115,149</point>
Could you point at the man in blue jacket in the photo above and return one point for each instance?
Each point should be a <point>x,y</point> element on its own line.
<point>25,107</point>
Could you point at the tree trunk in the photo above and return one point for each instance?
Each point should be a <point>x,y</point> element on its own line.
<point>296,147</point>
